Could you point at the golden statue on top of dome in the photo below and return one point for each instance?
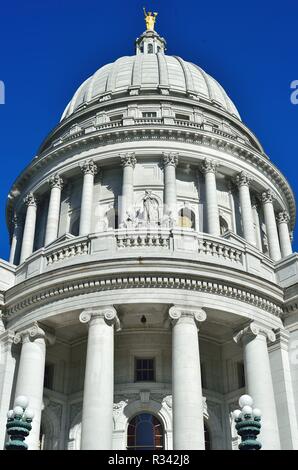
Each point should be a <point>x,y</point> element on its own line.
<point>150,19</point>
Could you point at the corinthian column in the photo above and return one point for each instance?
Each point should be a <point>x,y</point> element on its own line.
<point>271,229</point>
<point>89,170</point>
<point>170,161</point>
<point>209,169</point>
<point>97,419</point>
<point>283,220</point>
<point>258,379</point>
<point>128,162</point>
<point>56,185</point>
<point>188,422</point>
<point>243,182</point>
<point>30,377</point>
<point>15,240</point>
<point>29,229</point>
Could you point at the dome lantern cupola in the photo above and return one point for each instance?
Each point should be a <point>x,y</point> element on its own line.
<point>150,42</point>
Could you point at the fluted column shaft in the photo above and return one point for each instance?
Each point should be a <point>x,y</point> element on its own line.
<point>97,418</point>
<point>271,229</point>
<point>29,228</point>
<point>283,219</point>
<point>258,380</point>
<point>89,170</point>
<point>15,240</point>
<point>243,182</point>
<point>30,377</point>
<point>209,170</point>
<point>186,379</point>
<point>170,161</point>
<point>128,162</point>
<point>56,185</point>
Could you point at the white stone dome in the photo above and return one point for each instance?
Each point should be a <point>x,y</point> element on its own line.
<point>150,73</point>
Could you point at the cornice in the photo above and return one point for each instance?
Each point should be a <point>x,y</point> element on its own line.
<point>100,138</point>
<point>162,280</point>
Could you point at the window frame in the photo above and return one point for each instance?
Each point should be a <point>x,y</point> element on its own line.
<point>144,370</point>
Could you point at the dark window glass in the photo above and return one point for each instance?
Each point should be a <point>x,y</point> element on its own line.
<point>48,376</point>
<point>241,375</point>
<point>144,370</point>
<point>150,49</point>
<point>144,432</point>
<point>149,114</point>
<point>117,117</point>
<point>182,117</point>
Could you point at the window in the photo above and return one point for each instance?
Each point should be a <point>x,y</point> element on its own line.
<point>144,370</point>
<point>145,432</point>
<point>186,218</point>
<point>149,114</point>
<point>48,376</point>
<point>150,49</point>
<point>182,117</point>
<point>116,117</point>
<point>240,374</point>
<point>223,225</point>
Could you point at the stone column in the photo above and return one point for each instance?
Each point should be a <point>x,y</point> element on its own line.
<point>188,421</point>
<point>283,219</point>
<point>15,240</point>
<point>258,379</point>
<point>29,228</point>
<point>30,377</point>
<point>8,362</point>
<point>256,219</point>
<point>271,229</point>
<point>56,185</point>
<point>243,182</point>
<point>89,170</point>
<point>128,162</point>
<point>209,170</point>
<point>170,161</point>
<point>97,419</point>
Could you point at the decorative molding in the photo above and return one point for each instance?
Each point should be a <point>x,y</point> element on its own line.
<point>33,332</point>
<point>89,167</point>
<point>252,330</point>
<point>242,179</point>
<point>209,166</point>
<point>180,311</point>
<point>170,159</point>
<point>108,314</point>
<point>267,196</point>
<point>128,159</point>
<point>56,181</point>
<point>75,288</point>
<point>30,200</point>
<point>283,217</point>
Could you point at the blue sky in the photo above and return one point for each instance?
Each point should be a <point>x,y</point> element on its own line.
<point>49,47</point>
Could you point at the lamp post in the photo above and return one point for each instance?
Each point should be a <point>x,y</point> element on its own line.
<point>248,424</point>
<point>19,424</point>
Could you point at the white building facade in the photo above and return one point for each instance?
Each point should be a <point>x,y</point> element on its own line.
<point>151,278</point>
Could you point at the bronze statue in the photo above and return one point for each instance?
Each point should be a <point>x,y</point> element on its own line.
<point>150,19</point>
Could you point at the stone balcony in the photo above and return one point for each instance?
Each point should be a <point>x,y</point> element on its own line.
<point>177,245</point>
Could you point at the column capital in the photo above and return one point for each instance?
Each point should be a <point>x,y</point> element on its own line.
<point>267,196</point>
<point>209,166</point>
<point>128,159</point>
<point>242,179</point>
<point>170,159</point>
<point>55,181</point>
<point>89,167</point>
<point>252,330</point>
<point>181,311</point>
<point>30,200</point>
<point>108,314</point>
<point>31,333</point>
<point>283,217</point>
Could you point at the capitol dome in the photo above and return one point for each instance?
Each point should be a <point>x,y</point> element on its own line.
<point>151,73</point>
<point>151,279</point>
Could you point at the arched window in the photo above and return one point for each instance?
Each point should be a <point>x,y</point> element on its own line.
<point>186,218</point>
<point>145,432</point>
<point>207,437</point>
<point>150,49</point>
<point>223,224</point>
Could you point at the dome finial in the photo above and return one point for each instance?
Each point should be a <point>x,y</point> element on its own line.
<point>150,19</point>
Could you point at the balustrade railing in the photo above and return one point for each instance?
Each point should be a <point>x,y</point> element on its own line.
<point>69,251</point>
